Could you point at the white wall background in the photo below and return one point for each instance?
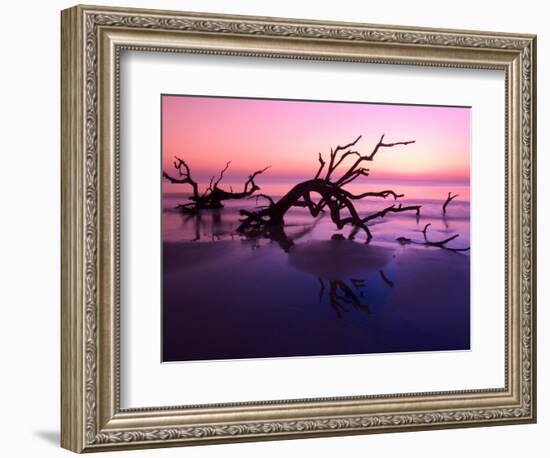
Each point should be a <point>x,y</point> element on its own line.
<point>29,227</point>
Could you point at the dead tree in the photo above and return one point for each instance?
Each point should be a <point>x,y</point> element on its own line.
<point>214,195</point>
<point>427,242</point>
<point>328,187</point>
<point>448,201</point>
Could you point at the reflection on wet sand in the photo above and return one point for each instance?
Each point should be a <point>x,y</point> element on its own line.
<point>228,295</point>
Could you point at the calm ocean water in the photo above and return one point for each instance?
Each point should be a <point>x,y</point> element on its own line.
<point>218,225</point>
<point>226,297</point>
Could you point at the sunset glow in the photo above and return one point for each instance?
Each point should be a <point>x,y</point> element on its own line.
<point>362,255</point>
<point>288,135</point>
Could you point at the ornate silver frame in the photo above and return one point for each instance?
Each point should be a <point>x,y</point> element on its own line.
<point>92,38</point>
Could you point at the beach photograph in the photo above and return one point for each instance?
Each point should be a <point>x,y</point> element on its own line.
<point>303,228</point>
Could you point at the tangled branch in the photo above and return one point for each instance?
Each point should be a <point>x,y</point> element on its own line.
<point>326,192</point>
<point>427,242</point>
<point>213,196</point>
<point>448,201</point>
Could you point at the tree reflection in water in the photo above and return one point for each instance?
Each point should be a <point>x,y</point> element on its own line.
<point>206,223</point>
<point>332,262</point>
<point>341,294</point>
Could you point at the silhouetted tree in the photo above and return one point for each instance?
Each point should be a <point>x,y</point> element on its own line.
<point>329,190</point>
<point>214,195</point>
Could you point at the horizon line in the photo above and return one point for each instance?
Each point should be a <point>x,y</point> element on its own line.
<point>409,181</point>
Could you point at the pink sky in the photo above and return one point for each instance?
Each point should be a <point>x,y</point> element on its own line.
<point>288,135</point>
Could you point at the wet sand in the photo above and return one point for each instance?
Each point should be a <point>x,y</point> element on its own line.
<point>229,299</point>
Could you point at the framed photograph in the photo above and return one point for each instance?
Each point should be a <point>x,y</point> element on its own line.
<point>279,228</point>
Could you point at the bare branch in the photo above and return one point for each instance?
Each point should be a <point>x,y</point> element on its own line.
<point>209,188</point>
<point>334,153</point>
<point>381,144</point>
<point>250,181</point>
<point>392,209</point>
<point>343,157</point>
<point>369,157</point>
<point>356,174</point>
<point>438,244</point>
<point>441,242</point>
<point>382,194</point>
<point>221,173</point>
<point>321,166</point>
<point>448,201</point>
<point>186,174</point>
<point>424,231</point>
<point>264,196</point>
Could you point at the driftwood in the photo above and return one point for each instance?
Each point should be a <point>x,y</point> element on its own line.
<point>330,193</point>
<point>448,201</point>
<point>214,195</point>
<point>427,242</point>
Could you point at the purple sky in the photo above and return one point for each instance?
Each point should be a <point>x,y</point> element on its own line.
<point>288,135</point>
